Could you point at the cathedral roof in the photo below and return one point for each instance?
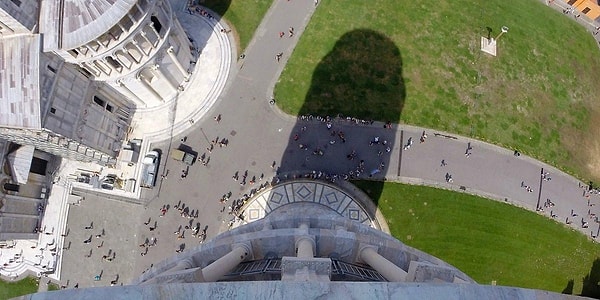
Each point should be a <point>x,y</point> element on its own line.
<point>19,81</point>
<point>68,24</point>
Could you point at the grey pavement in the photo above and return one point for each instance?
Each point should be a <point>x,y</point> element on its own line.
<point>115,226</point>
<point>497,173</point>
<point>259,135</point>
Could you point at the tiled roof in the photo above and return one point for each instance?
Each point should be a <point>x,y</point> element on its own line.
<point>19,81</point>
<point>68,24</point>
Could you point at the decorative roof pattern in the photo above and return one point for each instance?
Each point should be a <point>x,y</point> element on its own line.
<point>317,192</point>
<point>19,81</point>
<point>85,20</point>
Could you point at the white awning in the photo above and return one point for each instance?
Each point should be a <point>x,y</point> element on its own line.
<point>20,163</point>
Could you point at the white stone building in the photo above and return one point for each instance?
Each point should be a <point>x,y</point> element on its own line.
<point>72,72</point>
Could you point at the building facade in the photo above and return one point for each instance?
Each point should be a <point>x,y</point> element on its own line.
<point>590,8</point>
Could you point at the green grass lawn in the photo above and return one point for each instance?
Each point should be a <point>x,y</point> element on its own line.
<point>14,289</point>
<point>489,240</point>
<point>420,63</point>
<point>243,15</point>
<point>53,287</point>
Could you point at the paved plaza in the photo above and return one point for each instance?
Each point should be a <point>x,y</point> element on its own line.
<point>102,239</point>
<point>261,141</point>
<point>256,142</point>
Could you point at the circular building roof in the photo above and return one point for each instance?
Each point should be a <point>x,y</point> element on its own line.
<point>343,199</point>
<point>85,20</point>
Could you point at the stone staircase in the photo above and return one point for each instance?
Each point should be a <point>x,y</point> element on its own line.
<point>62,228</point>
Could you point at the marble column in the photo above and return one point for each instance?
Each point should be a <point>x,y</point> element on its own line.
<point>129,93</point>
<point>181,69</point>
<point>102,66</point>
<point>139,48</point>
<point>91,50</point>
<point>305,244</point>
<point>145,37</point>
<point>161,76</point>
<point>181,265</point>
<point>149,87</point>
<point>90,68</point>
<point>223,265</point>
<point>124,64</point>
<point>386,268</point>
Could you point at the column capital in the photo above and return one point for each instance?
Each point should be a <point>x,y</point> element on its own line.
<point>244,245</point>
<point>305,237</point>
<point>305,246</point>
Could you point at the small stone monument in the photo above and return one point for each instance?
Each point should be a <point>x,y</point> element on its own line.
<point>488,45</point>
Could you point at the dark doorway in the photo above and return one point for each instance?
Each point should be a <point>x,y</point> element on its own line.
<point>156,23</point>
<point>11,187</point>
<point>38,166</point>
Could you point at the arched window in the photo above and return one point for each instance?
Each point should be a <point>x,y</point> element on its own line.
<point>114,63</point>
<point>99,101</point>
<point>123,59</point>
<point>133,52</point>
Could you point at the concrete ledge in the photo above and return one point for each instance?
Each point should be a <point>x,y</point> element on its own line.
<point>303,290</point>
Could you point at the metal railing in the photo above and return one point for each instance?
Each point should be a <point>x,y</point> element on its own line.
<point>340,269</point>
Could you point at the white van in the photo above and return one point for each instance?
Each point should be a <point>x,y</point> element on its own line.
<point>149,169</point>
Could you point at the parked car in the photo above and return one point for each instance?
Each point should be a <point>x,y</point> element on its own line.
<point>186,157</point>
<point>150,169</point>
<point>108,182</point>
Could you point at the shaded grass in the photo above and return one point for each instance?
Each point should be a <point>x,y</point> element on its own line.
<point>243,15</point>
<point>14,289</point>
<point>379,63</point>
<point>487,240</point>
<point>536,96</point>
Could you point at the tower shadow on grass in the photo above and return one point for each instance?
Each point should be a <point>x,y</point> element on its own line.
<point>361,78</point>
<point>218,6</point>
<point>569,288</point>
<point>591,281</point>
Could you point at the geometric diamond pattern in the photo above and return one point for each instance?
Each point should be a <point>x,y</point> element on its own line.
<point>304,192</point>
<point>254,214</point>
<point>276,197</point>
<point>331,198</point>
<point>325,194</point>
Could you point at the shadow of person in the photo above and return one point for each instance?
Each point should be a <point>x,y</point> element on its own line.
<point>489,32</point>
<point>335,136</point>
